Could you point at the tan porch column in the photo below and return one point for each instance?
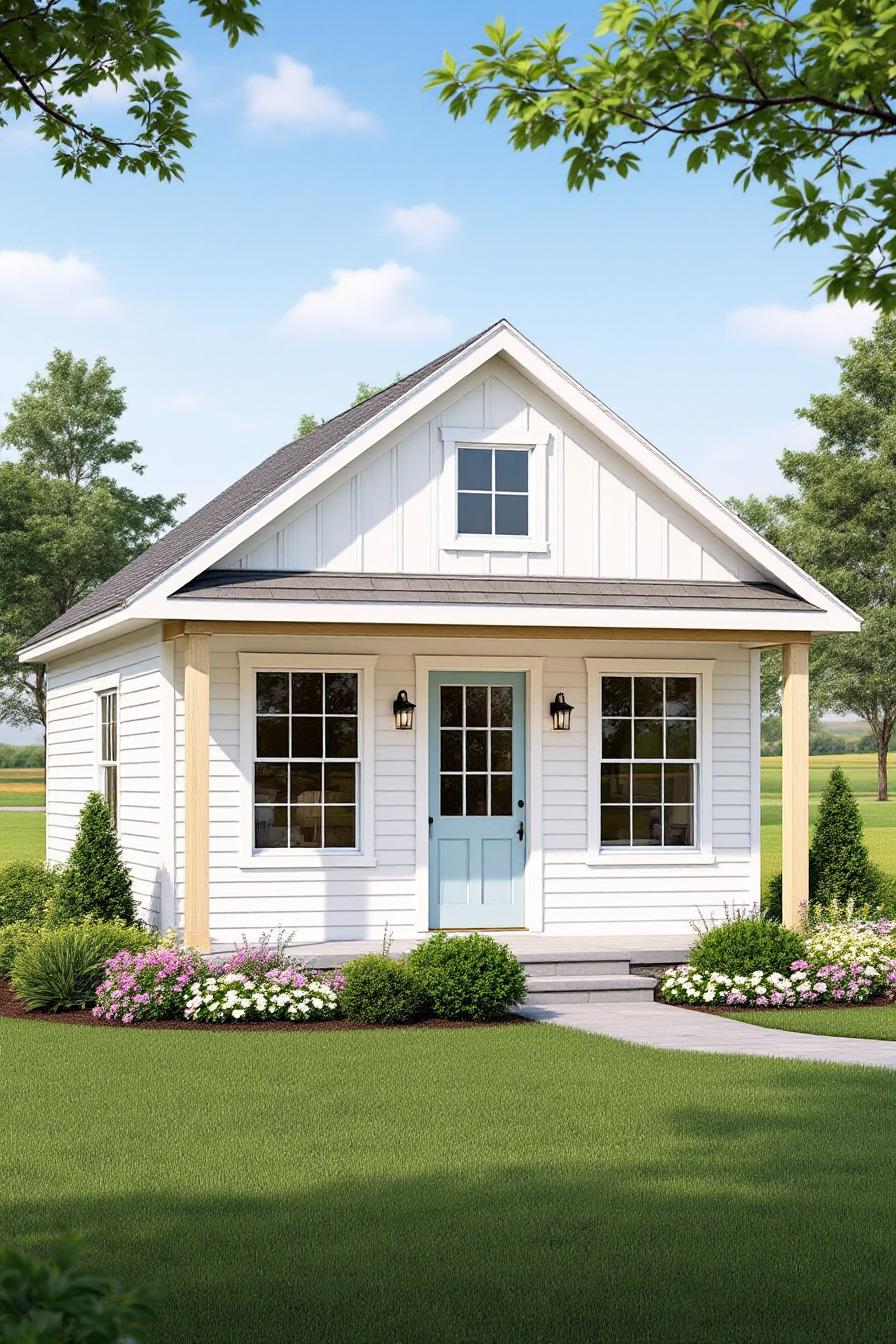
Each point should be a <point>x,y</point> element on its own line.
<point>196,740</point>
<point>795,782</point>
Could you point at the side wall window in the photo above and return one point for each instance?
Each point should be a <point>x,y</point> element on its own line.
<point>108,747</point>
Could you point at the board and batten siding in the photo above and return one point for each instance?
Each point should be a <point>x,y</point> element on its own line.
<point>72,755</point>
<point>579,898</point>
<point>604,519</point>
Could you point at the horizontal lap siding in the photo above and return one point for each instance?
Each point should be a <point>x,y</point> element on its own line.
<point>72,765</point>
<point>579,898</point>
<point>628,898</point>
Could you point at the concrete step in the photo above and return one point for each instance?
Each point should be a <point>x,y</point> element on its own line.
<point>547,965</point>
<point>548,989</point>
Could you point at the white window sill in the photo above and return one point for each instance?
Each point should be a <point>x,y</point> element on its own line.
<point>312,861</point>
<point>505,545</point>
<point>653,858</point>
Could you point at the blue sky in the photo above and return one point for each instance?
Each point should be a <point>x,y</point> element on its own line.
<point>216,302</point>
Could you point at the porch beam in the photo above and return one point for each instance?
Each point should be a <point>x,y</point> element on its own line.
<point>748,637</point>
<point>795,782</point>
<point>196,778</point>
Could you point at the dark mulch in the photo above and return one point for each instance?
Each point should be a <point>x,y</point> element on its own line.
<point>10,1006</point>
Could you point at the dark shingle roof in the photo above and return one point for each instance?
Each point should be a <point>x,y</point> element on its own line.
<point>466,590</point>
<point>274,472</point>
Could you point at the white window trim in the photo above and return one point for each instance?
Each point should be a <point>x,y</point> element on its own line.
<point>702,852</point>
<point>536,540</point>
<point>100,687</point>
<point>364,665</point>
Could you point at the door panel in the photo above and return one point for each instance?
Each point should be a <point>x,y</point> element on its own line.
<point>477,799</point>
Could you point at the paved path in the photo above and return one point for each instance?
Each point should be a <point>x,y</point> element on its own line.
<point>669,1028</point>
<point>22,809</point>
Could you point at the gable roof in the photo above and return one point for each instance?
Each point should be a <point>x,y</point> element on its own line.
<point>147,588</point>
<point>233,502</point>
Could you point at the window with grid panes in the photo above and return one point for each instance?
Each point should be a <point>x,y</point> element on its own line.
<point>109,750</point>
<point>476,751</point>
<point>307,760</point>
<point>649,765</point>
<point>493,492</point>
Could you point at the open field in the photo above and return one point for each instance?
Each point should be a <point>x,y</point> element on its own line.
<point>22,836</point>
<point>22,788</point>
<point>861,770</point>
<point>876,1024</point>
<point>502,1185</point>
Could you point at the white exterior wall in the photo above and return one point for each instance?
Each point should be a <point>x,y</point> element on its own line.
<point>73,756</point>
<point>604,520</point>
<point>624,897</point>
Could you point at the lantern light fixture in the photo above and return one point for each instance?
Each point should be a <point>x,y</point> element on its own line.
<point>403,709</point>
<point>561,712</point>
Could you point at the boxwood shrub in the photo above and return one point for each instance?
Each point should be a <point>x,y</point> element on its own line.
<point>471,977</point>
<point>60,968</point>
<point>13,938</point>
<point>746,945</point>
<point>381,990</point>
<point>25,889</point>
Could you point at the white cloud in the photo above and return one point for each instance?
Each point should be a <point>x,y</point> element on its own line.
<point>291,97</point>
<point>824,328</point>
<point>186,402</point>
<point>35,280</point>
<point>370,301</point>
<point>426,225</point>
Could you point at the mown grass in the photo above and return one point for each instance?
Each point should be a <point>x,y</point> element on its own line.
<point>508,1184</point>
<point>876,1024</point>
<point>861,770</point>
<point>23,788</point>
<point>22,836</point>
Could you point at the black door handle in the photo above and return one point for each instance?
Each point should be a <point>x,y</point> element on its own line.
<point>430,827</point>
<point>521,830</point>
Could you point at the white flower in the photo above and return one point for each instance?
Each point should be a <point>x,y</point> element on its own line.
<point>238,1012</point>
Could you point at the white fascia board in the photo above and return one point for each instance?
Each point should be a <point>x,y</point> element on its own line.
<point>441,613</point>
<point>110,625</point>
<point>672,479</point>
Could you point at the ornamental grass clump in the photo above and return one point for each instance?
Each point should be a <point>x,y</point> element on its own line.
<point>146,986</point>
<point>288,994</point>
<point>60,968</point>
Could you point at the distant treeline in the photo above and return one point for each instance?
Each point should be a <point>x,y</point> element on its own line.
<point>821,742</point>
<point>20,758</point>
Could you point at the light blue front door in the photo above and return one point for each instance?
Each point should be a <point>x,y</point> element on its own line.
<point>477,799</point>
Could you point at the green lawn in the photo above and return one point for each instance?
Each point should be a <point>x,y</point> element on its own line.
<point>879,818</point>
<point>22,788</point>
<point>512,1184</point>
<point>876,1024</point>
<point>22,836</point>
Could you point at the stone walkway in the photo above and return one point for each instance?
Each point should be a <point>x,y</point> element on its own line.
<point>668,1028</point>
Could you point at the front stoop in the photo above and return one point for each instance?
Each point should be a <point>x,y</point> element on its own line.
<point>553,979</point>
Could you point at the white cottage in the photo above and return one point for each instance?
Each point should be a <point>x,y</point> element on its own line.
<point>576,622</point>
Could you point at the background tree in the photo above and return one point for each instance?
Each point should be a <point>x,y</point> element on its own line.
<point>839,524</point>
<point>51,55</point>
<point>309,422</point>
<point>791,93</point>
<point>65,524</point>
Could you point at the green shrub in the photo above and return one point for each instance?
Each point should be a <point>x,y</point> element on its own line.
<point>53,1302</point>
<point>13,938</point>
<point>746,945</point>
<point>379,989</point>
<point>25,889</point>
<point>95,881</point>
<point>473,977</point>
<point>60,968</point>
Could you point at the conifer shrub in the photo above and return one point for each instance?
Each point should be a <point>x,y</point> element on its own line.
<point>95,882</point>
<point>840,868</point>
<point>468,978</point>
<point>381,990</point>
<point>26,888</point>
<point>742,946</point>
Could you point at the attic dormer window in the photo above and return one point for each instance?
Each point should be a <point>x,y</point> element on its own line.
<point>493,492</point>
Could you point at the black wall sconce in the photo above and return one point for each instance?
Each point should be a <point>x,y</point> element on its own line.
<point>403,709</point>
<point>561,712</point>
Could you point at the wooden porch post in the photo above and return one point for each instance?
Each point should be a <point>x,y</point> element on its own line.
<point>795,782</point>
<point>196,741</point>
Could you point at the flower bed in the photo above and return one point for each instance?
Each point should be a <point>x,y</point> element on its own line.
<point>285,994</point>
<point>843,964</point>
